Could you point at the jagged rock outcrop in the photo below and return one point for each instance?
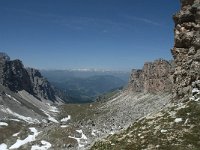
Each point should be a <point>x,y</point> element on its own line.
<point>41,87</point>
<point>154,77</point>
<point>186,51</point>
<point>14,76</point>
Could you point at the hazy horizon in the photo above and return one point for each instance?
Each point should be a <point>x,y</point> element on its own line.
<point>111,35</point>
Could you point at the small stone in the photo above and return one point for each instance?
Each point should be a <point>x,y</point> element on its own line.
<point>163,131</point>
<point>177,120</point>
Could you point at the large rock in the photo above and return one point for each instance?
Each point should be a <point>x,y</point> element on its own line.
<point>154,77</point>
<point>14,76</point>
<point>186,51</point>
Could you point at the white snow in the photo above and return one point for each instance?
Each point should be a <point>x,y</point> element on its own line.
<point>177,120</point>
<point>45,146</point>
<point>163,131</point>
<point>66,119</point>
<point>196,100</point>
<point>195,90</point>
<point>3,147</point>
<point>53,108</point>
<point>16,134</point>
<point>186,121</point>
<point>192,98</point>
<point>82,140</point>
<point>94,133</point>
<point>30,138</point>
<point>50,118</point>
<point>82,135</point>
<point>13,98</point>
<point>64,126</point>
<point>27,119</point>
<point>3,124</point>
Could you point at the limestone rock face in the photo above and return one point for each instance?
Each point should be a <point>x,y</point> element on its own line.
<point>154,77</point>
<point>186,51</point>
<point>14,76</point>
<point>41,87</point>
<point>136,81</point>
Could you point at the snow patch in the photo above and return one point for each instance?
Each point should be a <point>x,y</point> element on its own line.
<point>192,98</point>
<point>45,146</point>
<point>93,133</point>
<point>3,124</point>
<point>195,90</point>
<point>50,118</point>
<point>177,120</point>
<point>30,138</point>
<point>3,147</point>
<point>53,108</point>
<point>82,140</point>
<point>16,134</point>
<point>26,119</point>
<point>66,119</point>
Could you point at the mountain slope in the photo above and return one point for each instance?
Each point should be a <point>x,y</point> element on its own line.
<point>177,125</point>
<point>25,94</point>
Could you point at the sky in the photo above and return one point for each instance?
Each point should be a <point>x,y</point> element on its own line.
<point>74,34</point>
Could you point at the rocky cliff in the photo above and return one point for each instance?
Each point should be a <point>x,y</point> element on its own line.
<point>186,51</point>
<point>41,87</point>
<point>14,76</point>
<point>154,77</point>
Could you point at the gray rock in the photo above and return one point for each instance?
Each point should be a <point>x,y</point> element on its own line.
<point>186,51</point>
<point>154,77</point>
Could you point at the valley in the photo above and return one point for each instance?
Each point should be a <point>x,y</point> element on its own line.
<point>49,122</point>
<point>83,86</point>
<point>156,107</point>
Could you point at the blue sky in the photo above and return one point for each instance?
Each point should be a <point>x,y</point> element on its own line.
<point>102,34</point>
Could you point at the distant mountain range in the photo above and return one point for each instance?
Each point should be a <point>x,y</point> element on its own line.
<point>64,75</point>
<point>85,85</point>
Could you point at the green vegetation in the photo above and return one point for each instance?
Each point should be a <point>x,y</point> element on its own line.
<point>7,131</point>
<point>160,131</point>
<point>80,111</point>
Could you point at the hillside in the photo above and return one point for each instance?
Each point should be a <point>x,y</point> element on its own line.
<point>24,93</point>
<point>158,109</point>
<point>176,126</point>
